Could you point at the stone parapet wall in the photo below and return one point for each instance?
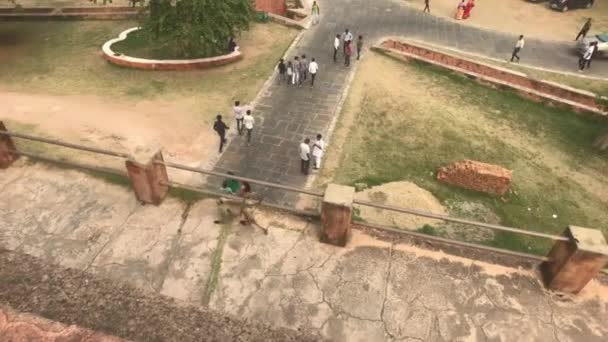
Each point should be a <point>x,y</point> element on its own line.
<point>477,176</point>
<point>155,64</point>
<point>539,89</point>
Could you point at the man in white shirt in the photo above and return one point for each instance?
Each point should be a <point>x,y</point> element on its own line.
<point>305,156</point>
<point>248,121</point>
<point>317,151</point>
<point>238,115</point>
<point>585,59</point>
<point>336,47</point>
<point>518,46</point>
<point>313,67</point>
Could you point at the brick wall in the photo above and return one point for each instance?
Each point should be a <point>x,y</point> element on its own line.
<point>272,6</point>
<point>497,73</point>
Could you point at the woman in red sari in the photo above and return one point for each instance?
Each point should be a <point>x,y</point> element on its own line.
<point>467,9</point>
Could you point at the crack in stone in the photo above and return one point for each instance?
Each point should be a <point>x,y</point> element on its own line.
<point>387,282</point>
<point>112,237</point>
<point>164,268</point>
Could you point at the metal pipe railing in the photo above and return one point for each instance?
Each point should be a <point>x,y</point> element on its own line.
<point>68,145</point>
<point>459,220</point>
<point>70,163</point>
<point>452,242</point>
<point>300,212</point>
<point>243,179</point>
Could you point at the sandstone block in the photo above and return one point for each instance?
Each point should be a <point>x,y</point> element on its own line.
<point>477,176</point>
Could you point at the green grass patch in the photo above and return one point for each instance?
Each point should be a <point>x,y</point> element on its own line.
<point>400,138</point>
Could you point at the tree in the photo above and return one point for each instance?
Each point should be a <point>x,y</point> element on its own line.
<point>198,28</point>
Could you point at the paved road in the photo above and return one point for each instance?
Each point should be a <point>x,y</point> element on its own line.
<point>287,115</point>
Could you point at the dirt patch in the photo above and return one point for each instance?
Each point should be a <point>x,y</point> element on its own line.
<point>401,194</point>
<point>528,18</point>
<point>138,128</point>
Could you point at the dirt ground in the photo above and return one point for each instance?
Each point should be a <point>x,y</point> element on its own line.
<point>523,17</point>
<point>410,131</point>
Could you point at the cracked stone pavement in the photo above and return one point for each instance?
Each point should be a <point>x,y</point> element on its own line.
<point>372,290</point>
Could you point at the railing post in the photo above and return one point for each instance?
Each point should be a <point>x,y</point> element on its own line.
<point>336,214</point>
<point>575,262</point>
<point>6,145</point>
<point>149,181</point>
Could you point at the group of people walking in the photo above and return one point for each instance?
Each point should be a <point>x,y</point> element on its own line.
<point>463,10</point>
<point>244,124</point>
<point>296,72</point>
<point>346,40</point>
<point>585,58</point>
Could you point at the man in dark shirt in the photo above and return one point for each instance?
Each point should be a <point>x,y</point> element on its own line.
<point>584,30</point>
<point>220,127</point>
<point>426,6</point>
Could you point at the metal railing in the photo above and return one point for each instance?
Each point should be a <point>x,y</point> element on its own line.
<point>126,156</point>
<point>462,221</point>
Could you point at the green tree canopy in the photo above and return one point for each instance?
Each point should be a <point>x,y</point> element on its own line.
<point>198,28</point>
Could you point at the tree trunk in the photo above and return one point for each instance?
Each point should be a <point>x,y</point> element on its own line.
<point>601,142</point>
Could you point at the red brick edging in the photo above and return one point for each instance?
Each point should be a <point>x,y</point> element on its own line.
<point>69,13</point>
<point>536,89</point>
<point>157,64</point>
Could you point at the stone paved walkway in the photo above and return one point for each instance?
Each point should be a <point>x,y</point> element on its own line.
<point>287,115</point>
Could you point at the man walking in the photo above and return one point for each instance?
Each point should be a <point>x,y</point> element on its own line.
<point>518,46</point>
<point>282,70</point>
<point>238,115</point>
<point>359,46</point>
<point>583,32</point>
<point>303,69</point>
<point>348,51</point>
<point>585,59</point>
<point>305,156</point>
<point>313,67</point>
<point>220,127</point>
<point>249,121</point>
<point>317,151</point>
<point>426,7</point>
<point>347,38</point>
<point>315,12</point>
<point>296,70</point>
<point>336,47</point>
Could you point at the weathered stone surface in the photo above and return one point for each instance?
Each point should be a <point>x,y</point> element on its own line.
<point>370,290</point>
<point>477,176</point>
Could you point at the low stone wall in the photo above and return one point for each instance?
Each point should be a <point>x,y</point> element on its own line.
<point>535,89</point>
<point>156,64</point>
<point>477,176</point>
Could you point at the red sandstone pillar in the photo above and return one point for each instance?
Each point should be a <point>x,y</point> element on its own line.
<point>576,261</point>
<point>148,181</point>
<point>6,145</point>
<point>336,214</point>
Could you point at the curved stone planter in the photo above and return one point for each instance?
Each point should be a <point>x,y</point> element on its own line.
<point>162,64</point>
